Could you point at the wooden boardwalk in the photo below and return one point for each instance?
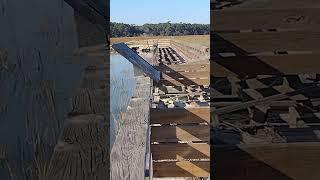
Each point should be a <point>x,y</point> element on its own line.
<point>180,117</point>
<point>178,131</point>
<point>265,80</point>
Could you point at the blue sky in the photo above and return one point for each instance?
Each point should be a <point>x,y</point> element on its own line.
<point>154,11</point>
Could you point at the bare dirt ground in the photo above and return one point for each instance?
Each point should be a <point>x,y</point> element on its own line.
<point>198,39</point>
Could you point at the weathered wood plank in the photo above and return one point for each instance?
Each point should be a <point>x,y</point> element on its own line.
<point>175,75</point>
<point>266,65</point>
<point>96,15</point>
<point>180,133</point>
<point>93,83</point>
<point>269,161</point>
<point>299,18</point>
<point>267,41</point>
<point>132,136</point>
<point>82,149</point>
<point>271,4</point>
<point>89,102</point>
<point>185,67</point>
<point>179,115</point>
<point>181,169</point>
<point>217,70</point>
<point>180,151</point>
<point>184,81</point>
<point>266,100</point>
<point>138,61</point>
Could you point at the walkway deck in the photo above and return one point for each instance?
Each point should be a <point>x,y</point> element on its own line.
<point>265,79</point>
<point>176,142</point>
<point>180,117</point>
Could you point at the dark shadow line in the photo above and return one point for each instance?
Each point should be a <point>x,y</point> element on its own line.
<point>240,64</point>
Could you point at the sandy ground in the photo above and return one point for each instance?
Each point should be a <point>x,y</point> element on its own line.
<point>198,39</point>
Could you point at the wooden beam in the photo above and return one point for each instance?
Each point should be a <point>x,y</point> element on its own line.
<point>297,18</point>
<point>179,115</point>
<point>181,169</point>
<point>180,133</point>
<point>181,74</point>
<point>184,81</point>
<point>258,42</point>
<point>269,4</point>
<point>80,150</point>
<point>185,68</point>
<point>133,129</point>
<point>264,101</point>
<point>94,15</point>
<point>268,161</point>
<point>270,65</point>
<point>136,60</point>
<point>180,151</point>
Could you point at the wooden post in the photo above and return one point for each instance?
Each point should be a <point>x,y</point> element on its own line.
<point>138,61</point>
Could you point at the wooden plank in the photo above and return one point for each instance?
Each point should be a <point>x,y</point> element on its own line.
<point>267,41</point>
<point>181,169</point>
<point>179,115</point>
<point>270,4</point>
<point>299,18</point>
<point>266,65</point>
<point>97,15</point>
<point>269,161</point>
<point>266,100</point>
<point>136,60</point>
<point>217,70</point>
<point>184,81</point>
<point>185,67</point>
<point>80,148</point>
<point>89,101</point>
<point>175,75</point>
<point>180,133</point>
<point>180,151</point>
<point>133,129</point>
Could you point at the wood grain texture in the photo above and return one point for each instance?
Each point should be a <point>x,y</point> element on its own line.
<point>180,116</point>
<point>180,133</point>
<point>181,169</point>
<point>265,100</point>
<point>270,161</point>
<point>298,18</point>
<point>89,102</point>
<point>92,12</point>
<point>129,150</point>
<point>174,75</point>
<point>180,151</point>
<point>273,4</point>
<point>266,65</point>
<point>256,42</point>
<point>82,149</point>
<point>136,60</point>
<point>185,67</point>
<point>184,81</point>
<point>34,59</point>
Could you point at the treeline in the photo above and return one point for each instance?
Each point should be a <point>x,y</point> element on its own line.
<point>161,29</point>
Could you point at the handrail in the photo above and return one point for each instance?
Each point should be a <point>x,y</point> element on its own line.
<point>135,127</point>
<point>137,61</point>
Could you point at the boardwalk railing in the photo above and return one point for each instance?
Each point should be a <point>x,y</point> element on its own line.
<point>130,154</point>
